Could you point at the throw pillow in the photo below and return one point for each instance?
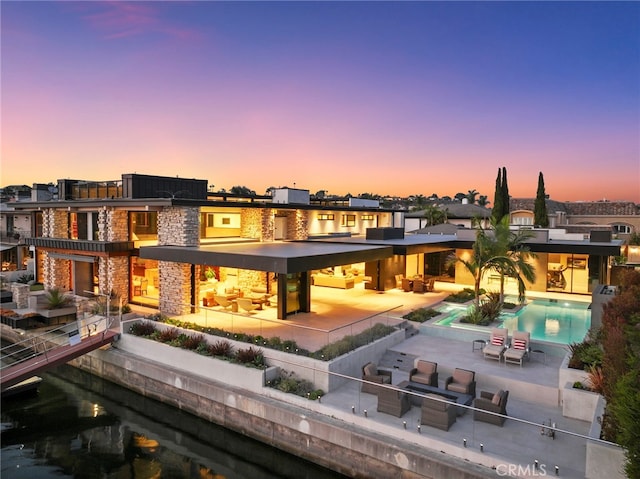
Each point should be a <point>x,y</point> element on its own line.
<point>497,397</point>
<point>497,340</point>
<point>519,344</point>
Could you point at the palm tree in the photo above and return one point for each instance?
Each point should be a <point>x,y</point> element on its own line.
<point>512,254</point>
<point>500,250</point>
<point>471,196</point>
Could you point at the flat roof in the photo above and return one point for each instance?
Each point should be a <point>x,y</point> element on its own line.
<point>279,257</point>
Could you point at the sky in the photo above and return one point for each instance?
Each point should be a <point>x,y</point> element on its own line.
<point>389,98</point>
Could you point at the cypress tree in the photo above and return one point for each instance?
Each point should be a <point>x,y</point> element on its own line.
<point>505,193</point>
<point>496,211</point>
<point>540,215</point>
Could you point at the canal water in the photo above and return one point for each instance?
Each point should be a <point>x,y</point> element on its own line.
<point>80,426</point>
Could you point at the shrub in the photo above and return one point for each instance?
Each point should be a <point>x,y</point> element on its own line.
<point>578,385</point>
<point>250,356</point>
<point>168,335</point>
<point>421,315</point>
<point>221,348</point>
<point>349,343</point>
<point>142,328</point>
<point>25,278</point>
<point>585,355</point>
<point>287,382</point>
<point>56,299</point>
<point>193,342</point>
<point>596,379</point>
<point>467,294</point>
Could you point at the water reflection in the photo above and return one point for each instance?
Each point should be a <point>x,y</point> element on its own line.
<point>79,426</point>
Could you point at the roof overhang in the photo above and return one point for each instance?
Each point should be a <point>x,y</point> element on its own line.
<point>283,258</point>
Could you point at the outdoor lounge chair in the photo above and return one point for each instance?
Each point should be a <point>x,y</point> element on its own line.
<point>497,344</point>
<point>437,412</point>
<point>463,381</point>
<point>223,301</point>
<point>394,402</point>
<point>371,376</point>
<point>247,304</point>
<point>496,403</point>
<point>425,372</point>
<point>519,349</point>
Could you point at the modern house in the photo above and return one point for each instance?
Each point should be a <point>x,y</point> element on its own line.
<point>168,243</point>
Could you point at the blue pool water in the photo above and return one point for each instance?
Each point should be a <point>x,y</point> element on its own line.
<point>560,321</point>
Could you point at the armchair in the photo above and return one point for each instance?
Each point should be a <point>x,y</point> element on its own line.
<point>497,344</point>
<point>496,403</point>
<point>371,376</point>
<point>436,412</point>
<point>425,372</point>
<point>519,349</point>
<point>394,402</point>
<point>463,381</point>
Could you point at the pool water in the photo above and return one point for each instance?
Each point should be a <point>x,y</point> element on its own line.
<point>556,321</point>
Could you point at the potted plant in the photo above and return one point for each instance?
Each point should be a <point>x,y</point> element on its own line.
<point>210,274</point>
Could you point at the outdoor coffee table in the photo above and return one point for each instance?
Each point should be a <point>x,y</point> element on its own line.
<point>457,397</point>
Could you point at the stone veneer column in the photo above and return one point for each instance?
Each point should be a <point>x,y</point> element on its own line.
<point>298,225</point>
<point>251,223</point>
<point>113,272</point>
<point>177,226</point>
<point>56,273</point>
<point>268,224</point>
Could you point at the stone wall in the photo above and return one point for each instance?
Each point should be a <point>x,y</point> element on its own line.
<point>175,287</point>
<point>55,223</point>
<point>251,223</point>
<point>113,225</point>
<point>179,226</point>
<point>20,294</point>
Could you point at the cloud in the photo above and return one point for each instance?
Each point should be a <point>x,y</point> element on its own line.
<point>116,20</point>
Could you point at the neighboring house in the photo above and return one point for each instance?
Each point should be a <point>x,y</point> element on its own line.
<point>168,243</point>
<point>622,218</point>
<point>15,225</point>
<point>459,214</point>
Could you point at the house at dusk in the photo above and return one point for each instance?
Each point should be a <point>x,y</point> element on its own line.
<point>168,243</point>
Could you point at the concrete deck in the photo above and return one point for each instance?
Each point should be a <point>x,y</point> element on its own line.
<point>533,388</point>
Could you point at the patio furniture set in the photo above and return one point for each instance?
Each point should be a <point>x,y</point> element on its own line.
<point>236,300</point>
<point>439,406</point>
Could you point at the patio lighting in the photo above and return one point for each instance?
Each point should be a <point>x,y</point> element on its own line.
<point>419,431</point>
<point>464,441</point>
<point>557,471</point>
<point>365,413</point>
<point>481,447</point>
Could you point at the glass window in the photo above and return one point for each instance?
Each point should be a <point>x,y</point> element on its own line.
<point>144,225</point>
<point>348,220</point>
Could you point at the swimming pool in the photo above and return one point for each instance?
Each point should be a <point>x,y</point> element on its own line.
<point>556,321</point>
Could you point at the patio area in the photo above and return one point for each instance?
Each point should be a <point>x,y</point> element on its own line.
<point>534,395</point>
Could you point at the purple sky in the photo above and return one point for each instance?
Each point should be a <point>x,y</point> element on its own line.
<point>392,98</point>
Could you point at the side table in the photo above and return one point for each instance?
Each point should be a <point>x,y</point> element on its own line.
<point>478,344</point>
